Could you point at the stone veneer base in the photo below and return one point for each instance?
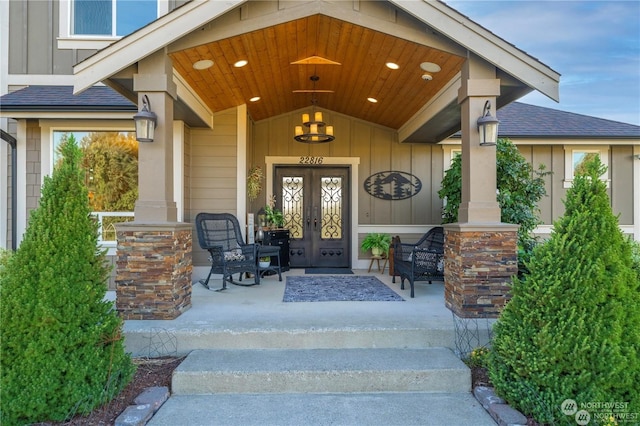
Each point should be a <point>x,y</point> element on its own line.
<point>153,278</point>
<point>480,260</point>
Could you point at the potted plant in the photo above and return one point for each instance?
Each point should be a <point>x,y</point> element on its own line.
<point>274,217</point>
<point>378,243</point>
<point>264,261</point>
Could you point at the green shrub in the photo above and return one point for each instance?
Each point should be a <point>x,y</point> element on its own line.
<point>572,328</point>
<point>635,256</point>
<point>61,348</point>
<point>478,357</point>
<point>520,187</point>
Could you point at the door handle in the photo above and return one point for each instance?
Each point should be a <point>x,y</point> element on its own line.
<point>308,217</point>
<point>315,218</point>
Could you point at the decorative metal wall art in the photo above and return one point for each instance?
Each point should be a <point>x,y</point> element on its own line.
<point>392,185</point>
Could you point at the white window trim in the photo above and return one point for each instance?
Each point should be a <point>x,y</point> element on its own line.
<point>67,40</point>
<point>448,155</point>
<point>601,150</point>
<point>48,127</point>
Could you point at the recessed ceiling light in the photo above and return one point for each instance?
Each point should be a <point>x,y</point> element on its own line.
<point>372,100</point>
<point>241,63</point>
<point>255,99</point>
<point>203,64</point>
<point>430,67</point>
<point>392,65</point>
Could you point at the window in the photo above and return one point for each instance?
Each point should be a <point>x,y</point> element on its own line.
<point>450,152</point>
<point>113,18</point>
<point>577,156</point>
<point>110,162</point>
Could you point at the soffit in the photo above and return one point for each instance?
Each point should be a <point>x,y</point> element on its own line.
<point>362,53</point>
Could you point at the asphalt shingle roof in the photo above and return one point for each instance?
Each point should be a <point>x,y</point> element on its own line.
<point>524,120</point>
<point>61,98</point>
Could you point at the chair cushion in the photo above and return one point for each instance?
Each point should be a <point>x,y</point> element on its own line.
<point>233,255</point>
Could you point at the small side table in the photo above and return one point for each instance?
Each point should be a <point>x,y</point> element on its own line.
<point>378,259</point>
<point>271,251</point>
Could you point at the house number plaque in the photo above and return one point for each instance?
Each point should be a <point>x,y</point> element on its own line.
<point>311,160</point>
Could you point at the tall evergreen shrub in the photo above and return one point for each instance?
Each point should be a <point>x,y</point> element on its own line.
<point>572,328</point>
<point>61,346</point>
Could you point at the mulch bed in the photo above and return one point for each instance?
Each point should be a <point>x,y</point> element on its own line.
<point>151,372</point>
<point>480,377</point>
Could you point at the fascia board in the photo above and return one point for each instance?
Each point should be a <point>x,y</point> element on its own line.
<point>192,100</point>
<point>485,44</point>
<point>68,115</point>
<point>147,40</point>
<point>441,99</point>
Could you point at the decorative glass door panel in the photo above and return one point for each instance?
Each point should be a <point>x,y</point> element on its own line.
<point>331,205</point>
<point>292,205</point>
<point>314,201</point>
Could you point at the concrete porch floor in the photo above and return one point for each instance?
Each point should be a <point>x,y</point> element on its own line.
<point>222,319</point>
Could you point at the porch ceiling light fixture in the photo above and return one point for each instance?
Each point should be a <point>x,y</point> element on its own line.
<point>488,126</point>
<point>145,122</point>
<point>315,130</point>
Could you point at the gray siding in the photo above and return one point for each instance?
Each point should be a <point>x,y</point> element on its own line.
<point>34,165</point>
<point>33,40</point>
<point>620,173</point>
<point>622,183</point>
<point>213,169</point>
<point>378,150</point>
<point>33,33</point>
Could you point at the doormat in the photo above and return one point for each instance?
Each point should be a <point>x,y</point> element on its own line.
<point>332,288</point>
<point>334,271</point>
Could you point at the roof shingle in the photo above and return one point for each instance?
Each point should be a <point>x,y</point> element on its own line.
<point>61,98</point>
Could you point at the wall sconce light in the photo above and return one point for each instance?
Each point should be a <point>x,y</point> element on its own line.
<point>145,122</point>
<point>488,126</point>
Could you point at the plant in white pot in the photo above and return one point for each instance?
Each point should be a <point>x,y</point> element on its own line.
<point>264,262</point>
<point>378,243</point>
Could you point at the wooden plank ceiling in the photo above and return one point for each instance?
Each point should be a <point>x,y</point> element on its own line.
<point>361,53</point>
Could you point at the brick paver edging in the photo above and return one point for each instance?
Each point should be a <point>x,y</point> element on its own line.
<point>498,408</point>
<point>146,405</point>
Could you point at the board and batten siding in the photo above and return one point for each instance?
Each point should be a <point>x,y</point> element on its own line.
<point>620,175</point>
<point>377,148</point>
<point>33,39</point>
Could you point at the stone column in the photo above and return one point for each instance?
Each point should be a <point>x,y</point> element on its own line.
<point>153,279</point>
<point>153,274</point>
<point>479,263</point>
<point>480,251</point>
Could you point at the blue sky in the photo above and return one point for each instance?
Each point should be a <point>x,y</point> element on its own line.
<point>594,45</point>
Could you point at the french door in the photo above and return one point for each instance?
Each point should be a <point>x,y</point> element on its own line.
<point>315,204</point>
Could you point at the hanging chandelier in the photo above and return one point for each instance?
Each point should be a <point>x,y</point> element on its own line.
<point>313,129</point>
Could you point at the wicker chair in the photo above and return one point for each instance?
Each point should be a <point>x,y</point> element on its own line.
<point>219,234</point>
<point>422,261</point>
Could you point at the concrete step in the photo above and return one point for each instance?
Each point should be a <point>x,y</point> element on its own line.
<point>359,409</point>
<point>140,341</point>
<point>321,371</point>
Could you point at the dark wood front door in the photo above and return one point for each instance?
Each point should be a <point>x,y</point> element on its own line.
<point>315,203</point>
